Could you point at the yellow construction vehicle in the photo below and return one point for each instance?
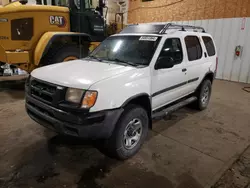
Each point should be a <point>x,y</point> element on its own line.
<point>36,35</point>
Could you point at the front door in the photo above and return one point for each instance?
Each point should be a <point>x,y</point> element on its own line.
<point>168,84</point>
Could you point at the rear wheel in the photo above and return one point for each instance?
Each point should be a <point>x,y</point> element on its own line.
<point>129,134</point>
<point>203,95</point>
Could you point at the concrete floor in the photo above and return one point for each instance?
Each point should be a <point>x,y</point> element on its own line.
<point>189,149</point>
<point>238,175</point>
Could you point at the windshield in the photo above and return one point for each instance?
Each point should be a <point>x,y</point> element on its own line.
<point>130,50</point>
<point>62,3</point>
<point>77,3</point>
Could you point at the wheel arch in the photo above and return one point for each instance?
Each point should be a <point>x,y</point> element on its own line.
<point>143,100</point>
<point>210,76</point>
<point>48,39</point>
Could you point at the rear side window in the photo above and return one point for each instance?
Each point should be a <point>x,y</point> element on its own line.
<point>193,48</point>
<point>209,45</point>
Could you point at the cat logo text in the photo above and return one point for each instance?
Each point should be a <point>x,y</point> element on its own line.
<point>60,21</point>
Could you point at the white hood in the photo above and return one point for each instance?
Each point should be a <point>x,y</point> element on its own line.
<point>79,73</point>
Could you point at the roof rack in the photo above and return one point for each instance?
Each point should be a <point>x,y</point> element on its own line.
<point>182,27</point>
<point>157,28</point>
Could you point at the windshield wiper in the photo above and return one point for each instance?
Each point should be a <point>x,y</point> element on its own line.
<point>94,57</point>
<point>124,62</point>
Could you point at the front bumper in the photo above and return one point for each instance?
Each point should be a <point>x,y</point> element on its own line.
<point>95,125</point>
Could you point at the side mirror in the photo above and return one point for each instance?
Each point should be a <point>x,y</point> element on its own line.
<point>164,62</point>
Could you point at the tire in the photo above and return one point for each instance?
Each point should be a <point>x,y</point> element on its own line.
<point>66,52</point>
<point>62,54</point>
<point>203,95</point>
<point>116,146</point>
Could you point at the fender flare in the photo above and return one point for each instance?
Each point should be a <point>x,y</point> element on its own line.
<point>149,112</point>
<point>134,97</point>
<point>46,41</point>
<point>209,72</point>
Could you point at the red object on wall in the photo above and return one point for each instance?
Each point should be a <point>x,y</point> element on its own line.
<point>237,53</point>
<point>238,50</point>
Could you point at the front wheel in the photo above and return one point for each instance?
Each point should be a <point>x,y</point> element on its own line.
<point>129,134</point>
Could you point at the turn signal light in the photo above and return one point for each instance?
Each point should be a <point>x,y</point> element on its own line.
<point>89,99</point>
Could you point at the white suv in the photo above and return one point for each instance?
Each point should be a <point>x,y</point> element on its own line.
<point>144,72</point>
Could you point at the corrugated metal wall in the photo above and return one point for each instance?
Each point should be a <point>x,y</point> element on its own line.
<point>227,34</point>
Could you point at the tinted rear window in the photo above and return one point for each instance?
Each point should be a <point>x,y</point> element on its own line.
<point>193,48</point>
<point>209,45</point>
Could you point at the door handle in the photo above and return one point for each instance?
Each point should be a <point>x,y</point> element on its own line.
<point>184,70</point>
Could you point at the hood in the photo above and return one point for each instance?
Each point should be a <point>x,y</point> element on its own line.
<point>79,73</point>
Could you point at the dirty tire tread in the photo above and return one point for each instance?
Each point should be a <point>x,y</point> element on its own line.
<point>113,146</point>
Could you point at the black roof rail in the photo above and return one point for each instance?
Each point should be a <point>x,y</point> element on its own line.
<point>157,28</point>
<point>182,27</point>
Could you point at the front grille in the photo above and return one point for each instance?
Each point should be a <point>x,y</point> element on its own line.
<point>43,91</point>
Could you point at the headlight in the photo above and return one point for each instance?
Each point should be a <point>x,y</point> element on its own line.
<point>74,95</point>
<point>89,99</point>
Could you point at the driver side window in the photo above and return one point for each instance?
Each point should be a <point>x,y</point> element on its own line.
<point>172,49</point>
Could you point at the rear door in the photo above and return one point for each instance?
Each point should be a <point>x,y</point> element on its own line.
<point>196,59</point>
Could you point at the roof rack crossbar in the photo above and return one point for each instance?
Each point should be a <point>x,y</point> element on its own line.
<point>182,27</point>
<point>165,28</point>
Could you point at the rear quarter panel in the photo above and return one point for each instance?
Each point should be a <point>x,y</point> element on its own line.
<point>210,62</point>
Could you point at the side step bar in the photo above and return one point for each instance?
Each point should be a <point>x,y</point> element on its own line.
<point>170,109</point>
